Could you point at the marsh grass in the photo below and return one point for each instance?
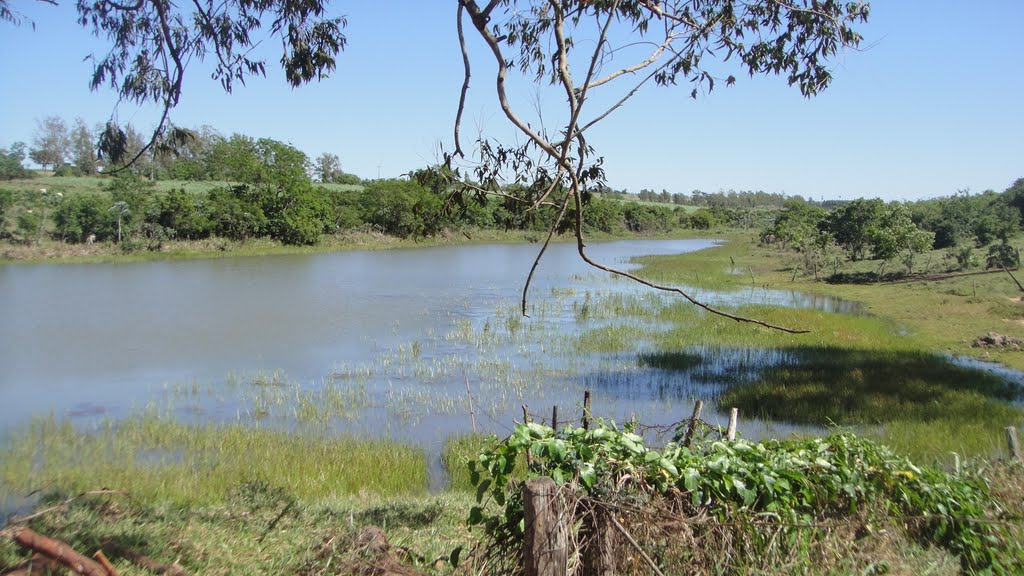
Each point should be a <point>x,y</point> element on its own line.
<point>458,450</point>
<point>156,458</point>
<point>885,373</point>
<point>260,529</point>
<point>941,315</point>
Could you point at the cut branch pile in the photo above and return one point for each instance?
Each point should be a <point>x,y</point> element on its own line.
<point>52,554</point>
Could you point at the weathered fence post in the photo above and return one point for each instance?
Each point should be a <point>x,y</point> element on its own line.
<point>586,409</point>
<point>734,415</point>
<point>545,546</point>
<point>692,427</point>
<point>554,417</point>
<point>599,544</point>
<point>1013,442</point>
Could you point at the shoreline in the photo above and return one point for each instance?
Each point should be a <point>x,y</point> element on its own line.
<point>57,252</point>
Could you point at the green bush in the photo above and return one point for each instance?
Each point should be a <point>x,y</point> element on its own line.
<point>796,482</point>
<point>702,220</point>
<point>79,216</point>
<point>1002,255</point>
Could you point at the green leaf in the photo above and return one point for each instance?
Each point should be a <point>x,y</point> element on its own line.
<point>630,445</point>
<point>557,450</point>
<point>537,449</point>
<point>538,430</point>
<point>588,476</point>
<point>481,489</point>
<point>668,466</point>
<point>691,478</point>
<point>476,515</point>
<point>453,558</point>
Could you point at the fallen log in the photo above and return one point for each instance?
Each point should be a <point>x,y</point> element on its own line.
<point>53,548</point>
<point>37,565</point>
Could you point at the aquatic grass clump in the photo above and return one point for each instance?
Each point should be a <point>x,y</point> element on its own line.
<point>919,402</point>
<point>844,386</point>
<point>156,458</point>
<point>458,451</point>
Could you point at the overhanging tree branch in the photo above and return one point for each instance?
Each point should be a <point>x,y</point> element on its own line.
<point>790,38</point>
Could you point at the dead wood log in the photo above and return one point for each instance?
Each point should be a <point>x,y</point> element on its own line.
<point>37,565</point>
<point>53,548</point>
<point>102,559</point>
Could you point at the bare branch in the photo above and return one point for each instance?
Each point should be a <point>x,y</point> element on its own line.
<point>480,20</point>
<point>465,82</point>
<point>635,68</point>
<point>543,248</point>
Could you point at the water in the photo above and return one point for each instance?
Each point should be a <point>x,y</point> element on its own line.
<point>407,331</point>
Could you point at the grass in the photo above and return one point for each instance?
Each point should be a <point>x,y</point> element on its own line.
<point>944,316</point>
<point>158,459</point>
<point>260,529</point>
<point>458,451</point>
<point>886,373</point>
<point>277,492</point>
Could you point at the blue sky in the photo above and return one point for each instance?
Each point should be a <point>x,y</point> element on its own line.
<point>935,104</point>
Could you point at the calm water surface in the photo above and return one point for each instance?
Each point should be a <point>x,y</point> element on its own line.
<point>410,329</point>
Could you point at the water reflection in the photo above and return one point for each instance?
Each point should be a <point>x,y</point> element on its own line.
<point>375,343</point>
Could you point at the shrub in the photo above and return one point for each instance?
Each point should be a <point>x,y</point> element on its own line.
<point>1002,255</point>
<point>735,483</point>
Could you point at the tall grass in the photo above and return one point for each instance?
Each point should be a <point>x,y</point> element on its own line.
<point>156,459</point>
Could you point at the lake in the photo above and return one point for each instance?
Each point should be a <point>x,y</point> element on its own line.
<point>402,337</point>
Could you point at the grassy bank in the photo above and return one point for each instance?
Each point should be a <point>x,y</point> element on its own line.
<point>943,315</point>
<point>56,251</point>
<point>266,527</point>
<point>885,373</point>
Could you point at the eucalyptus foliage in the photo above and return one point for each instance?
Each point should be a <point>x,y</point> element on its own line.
<point>793,483</point>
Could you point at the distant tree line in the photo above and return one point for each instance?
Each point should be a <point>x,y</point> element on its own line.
<point>863,228</point>
<point>264,188</point>
<point>746,199</point>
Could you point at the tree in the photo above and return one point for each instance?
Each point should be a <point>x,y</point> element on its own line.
<point>851,225</point>
<point>82,215</point>
<point>895,234</point>
<point>83,149</point>
<point>795,226</point>
<point>327,167</point>
<point>181,215</point>
<point>152,43</point>
<point>120,210</point>
<point>401,208</point>
<point>11,162</point>
<point>50,144</point>
<point>567,44</point>
<point>6,200</point>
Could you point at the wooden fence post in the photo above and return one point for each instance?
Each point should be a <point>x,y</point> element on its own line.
<point>599,543</point>
<point>554,417</point>
<point>586,409</point>
<point>545,546</point>
<point>1013,443</point>
<point>692,427</point>
<point>734,415</point>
